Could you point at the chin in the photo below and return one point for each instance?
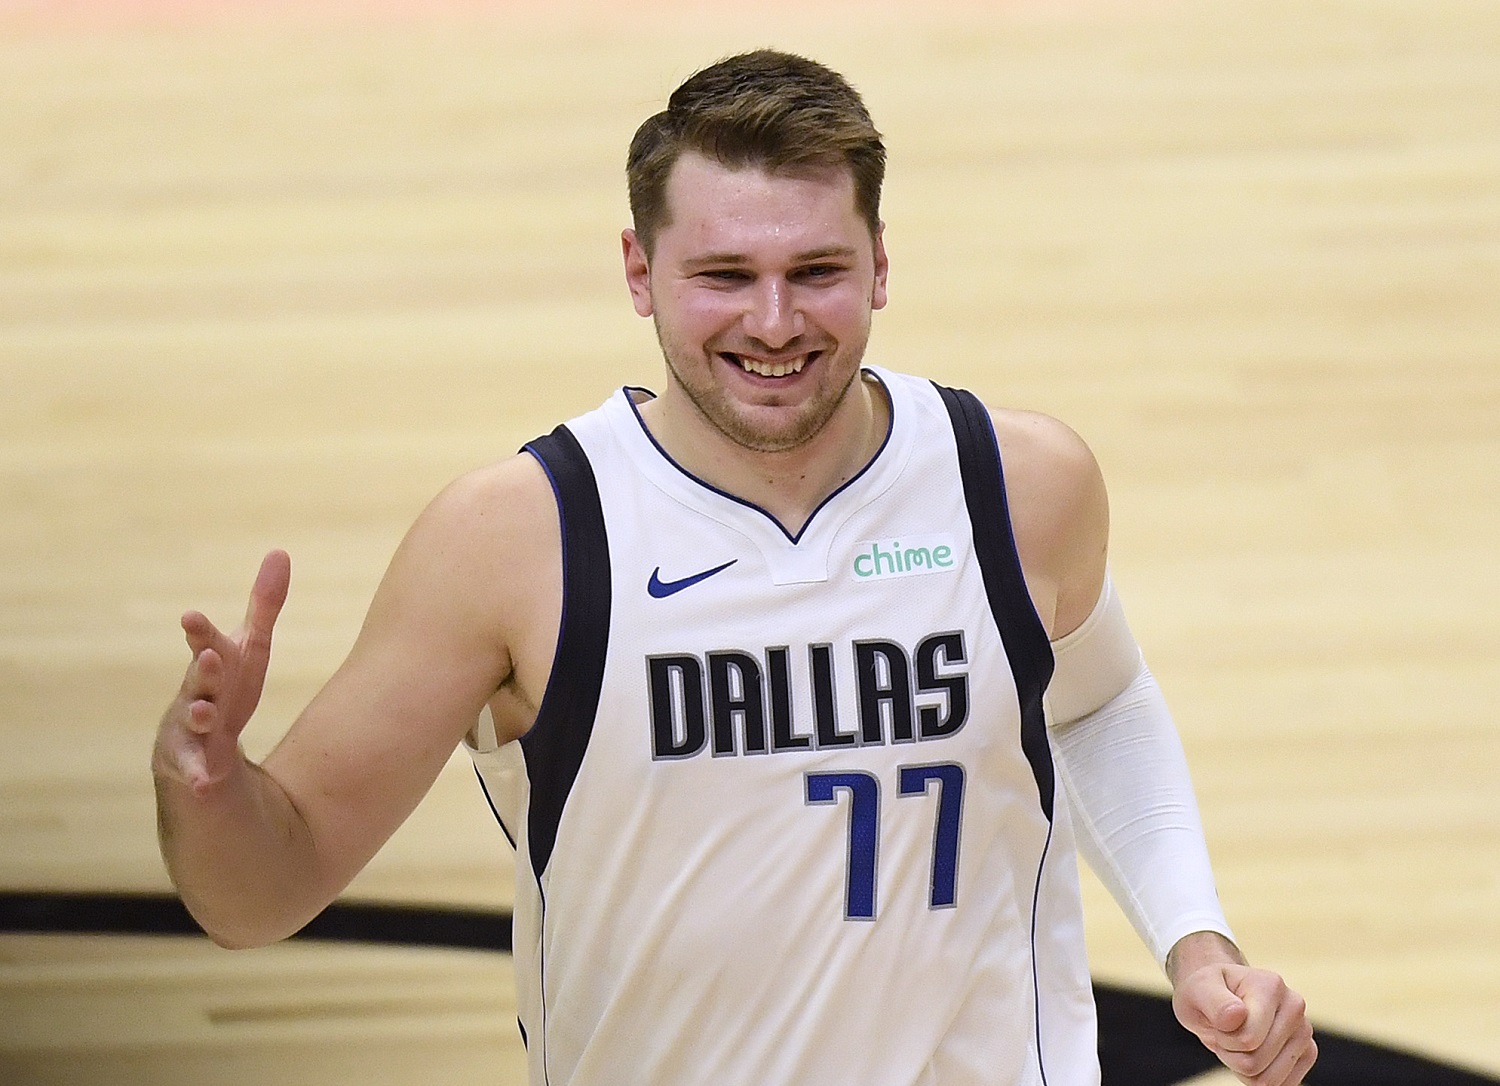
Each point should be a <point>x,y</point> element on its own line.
<point>793,428</point>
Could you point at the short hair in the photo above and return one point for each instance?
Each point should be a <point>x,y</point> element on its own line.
<point>765,109</point>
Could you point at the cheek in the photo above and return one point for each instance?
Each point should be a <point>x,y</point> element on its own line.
<point>700,313</point>
<point>845,310</point>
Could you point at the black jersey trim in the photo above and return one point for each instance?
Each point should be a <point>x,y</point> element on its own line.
<point>555,744</point>
<point>1025,639</point>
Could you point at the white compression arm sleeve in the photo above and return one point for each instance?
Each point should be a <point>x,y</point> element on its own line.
<point>1123,768</point>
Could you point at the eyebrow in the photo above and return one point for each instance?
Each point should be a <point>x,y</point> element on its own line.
<point>809,256</point>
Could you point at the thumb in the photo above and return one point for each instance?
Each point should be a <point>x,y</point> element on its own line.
<point>1206,1004</point>
<point>1229,1012</point>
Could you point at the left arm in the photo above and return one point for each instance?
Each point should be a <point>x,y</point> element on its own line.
<point>1248,1017</point>
<point>1120,760</point>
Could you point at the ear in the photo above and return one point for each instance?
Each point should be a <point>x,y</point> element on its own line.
<point>637,271</point>
<point>882,269</point>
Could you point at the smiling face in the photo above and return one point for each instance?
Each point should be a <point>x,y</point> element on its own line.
<point>761,287</point>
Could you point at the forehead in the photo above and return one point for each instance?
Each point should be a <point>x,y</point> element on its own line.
<point>716,207</point>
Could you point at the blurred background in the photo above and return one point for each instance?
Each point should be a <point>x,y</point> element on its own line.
<point>272,274</point>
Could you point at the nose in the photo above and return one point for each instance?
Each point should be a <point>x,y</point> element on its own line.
<point>774,316</point>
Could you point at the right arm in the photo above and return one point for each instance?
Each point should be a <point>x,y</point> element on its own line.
<point>256,851</point>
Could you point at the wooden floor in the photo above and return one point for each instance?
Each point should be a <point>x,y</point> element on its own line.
<point>271,278</point>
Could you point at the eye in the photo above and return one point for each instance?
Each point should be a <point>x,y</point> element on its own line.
<point>724,275</point>
<point>821,271</point>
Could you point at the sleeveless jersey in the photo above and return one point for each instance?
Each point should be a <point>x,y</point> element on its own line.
<point>787,815</point>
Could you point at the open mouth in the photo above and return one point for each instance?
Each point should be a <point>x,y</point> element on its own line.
<point>766,368</point>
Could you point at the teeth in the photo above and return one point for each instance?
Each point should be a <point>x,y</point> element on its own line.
<point>770,369</point>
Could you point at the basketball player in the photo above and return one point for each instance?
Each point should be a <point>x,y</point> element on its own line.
<point>794,686</point>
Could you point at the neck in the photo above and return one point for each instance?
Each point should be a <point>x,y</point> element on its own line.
<point>789,484</point>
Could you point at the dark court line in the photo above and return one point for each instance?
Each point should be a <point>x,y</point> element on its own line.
<point>1140,1042</point>
<point>61,912</point>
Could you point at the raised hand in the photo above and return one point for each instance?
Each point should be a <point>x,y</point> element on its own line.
<point>198,741</point>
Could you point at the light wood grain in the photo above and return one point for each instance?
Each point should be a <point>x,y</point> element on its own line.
<point>272,278</point>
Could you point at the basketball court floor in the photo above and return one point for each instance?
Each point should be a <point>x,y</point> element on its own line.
<point>271,274</point>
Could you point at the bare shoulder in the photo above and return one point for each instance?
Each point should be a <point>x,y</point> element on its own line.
<point>1032,439</point>
<point>1059,511</point>
<point>509,501</point>
<point>479,554</point>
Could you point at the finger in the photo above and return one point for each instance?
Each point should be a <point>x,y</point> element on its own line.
<point>1304,1064</point>
<point>204,777</point>
<point>1208,1007</point>
<point>267,596</point>
<point>200,754</point>
<point>202,717</point>
<point>201,633</point>
<point>203,678</point>
<point>1286,1067</point>
<point>1292,1064</point>
<point>1272,1061</point>
<point>1266,999</point>
<point>180,754</point>
<point>190,714</point>
<point>1228,1015</point>
<point>192,766</point>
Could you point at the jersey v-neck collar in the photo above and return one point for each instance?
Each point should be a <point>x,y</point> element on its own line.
<point>754,520</point>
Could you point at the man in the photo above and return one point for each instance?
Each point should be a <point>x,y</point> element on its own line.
<point>758,686</point>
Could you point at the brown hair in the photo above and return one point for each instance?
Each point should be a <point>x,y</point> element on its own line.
<point>769,110</point>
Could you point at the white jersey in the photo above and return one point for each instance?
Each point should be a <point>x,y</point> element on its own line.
<point>787,815</point>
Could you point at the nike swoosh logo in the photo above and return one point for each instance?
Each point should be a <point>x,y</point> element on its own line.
<point>661,589</point>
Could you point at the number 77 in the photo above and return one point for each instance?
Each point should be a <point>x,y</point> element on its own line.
<point>863,790</point>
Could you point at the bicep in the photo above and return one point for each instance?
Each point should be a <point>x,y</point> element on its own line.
<point>1059,513</point>
<point>432,649</point>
